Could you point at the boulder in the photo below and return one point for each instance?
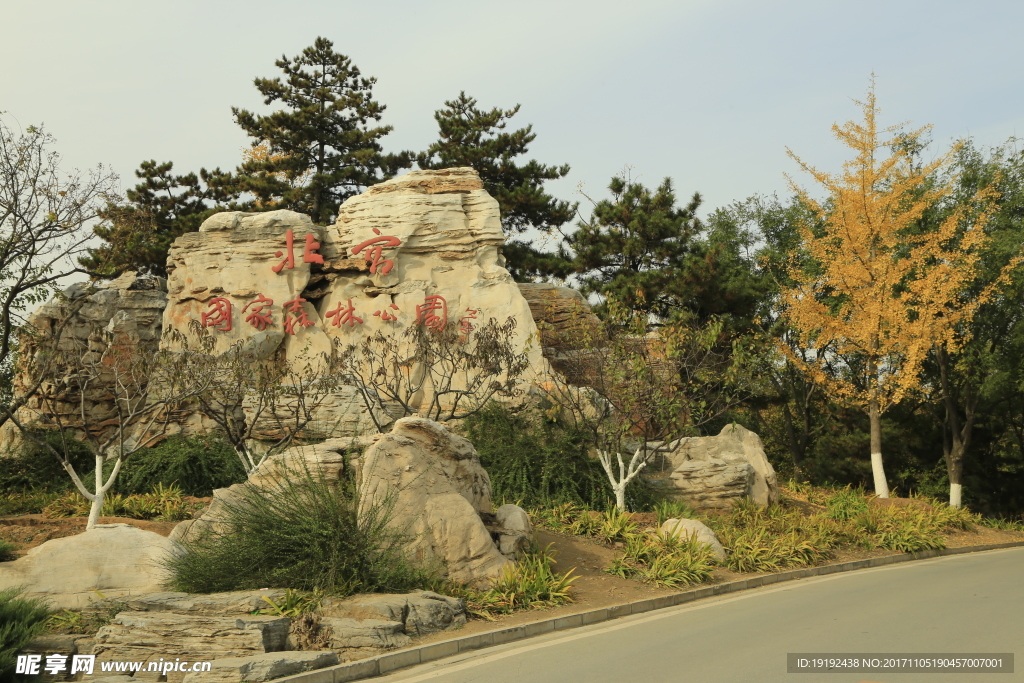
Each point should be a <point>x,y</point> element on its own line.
<point>689,528</point>
<point>434,488</point>
<point>715,471</point>
<point>420,613</point>
<point>262,667</point>
<point>114,559</point>
<point>515,533</point>
<point>151,636</point>
<point>363,637</point>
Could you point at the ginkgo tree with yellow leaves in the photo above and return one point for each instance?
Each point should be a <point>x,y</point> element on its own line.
<point>871,287</point>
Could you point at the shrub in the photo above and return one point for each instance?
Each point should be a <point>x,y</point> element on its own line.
<point>535,461</point>
<point>664,560</point>
<point>35,467</point>
<point>21,620</point>
<point>26,502</point>
<point>302,534</point>
<point>6,551</point>
<point>197,464</point>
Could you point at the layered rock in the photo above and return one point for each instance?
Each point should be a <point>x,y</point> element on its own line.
<point>114,559</point>
<point>716,471</point>
<point>433,484</point>
<point>128,309</point>
<point>262,667</point>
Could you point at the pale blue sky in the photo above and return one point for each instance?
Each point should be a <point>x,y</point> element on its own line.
<point>709,93</point>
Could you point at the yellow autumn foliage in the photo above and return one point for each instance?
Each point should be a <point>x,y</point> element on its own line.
<point>881,290</point>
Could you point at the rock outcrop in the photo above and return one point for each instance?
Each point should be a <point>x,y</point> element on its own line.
<point>128,309</point>
<point>715,471</point>
<point>114,559</point>
<point>262,667</point>
<point>432,482</point>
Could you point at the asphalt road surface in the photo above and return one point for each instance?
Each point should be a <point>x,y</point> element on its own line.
<point>971,603</point>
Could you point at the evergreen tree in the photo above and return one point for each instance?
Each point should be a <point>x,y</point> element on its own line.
<point>138,234</point>
<point>323,136</point>
<point>472,137</point>
<point>654,257</point>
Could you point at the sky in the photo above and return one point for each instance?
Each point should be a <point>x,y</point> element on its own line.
<point>708,93</point>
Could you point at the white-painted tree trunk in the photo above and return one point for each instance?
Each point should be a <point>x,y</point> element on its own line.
<point>955,495</point>
<point>101,488</point>
<point>626,474</point>
<point>878,472</point>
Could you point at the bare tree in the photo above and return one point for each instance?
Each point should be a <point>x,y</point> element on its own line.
<point>633,390</point>
<point>45,216</point>
<point>441,373</point>
<point>252,393</point>
<point>117,398</point>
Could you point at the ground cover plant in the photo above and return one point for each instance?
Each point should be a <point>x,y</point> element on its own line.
<point>764,539</point>
<point>21,619</point>
<point>162,503</point>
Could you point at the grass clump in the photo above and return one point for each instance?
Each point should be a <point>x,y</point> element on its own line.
<point>6,551</point>
<point>664,560</point>
<point>530,583</point>
<point>302,533</point>
<point>21,620</point>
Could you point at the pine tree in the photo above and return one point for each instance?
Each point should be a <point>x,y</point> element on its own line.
<point>323,133</point>
<point>657,258</point>
<point>877,290</point>
<point>138,234</point>
<point>472,137</point>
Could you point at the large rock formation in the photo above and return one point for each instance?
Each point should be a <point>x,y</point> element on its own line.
<point>716,471</point>
<point>437,491</point>
<point>114,559</point>
<point>128,309</point>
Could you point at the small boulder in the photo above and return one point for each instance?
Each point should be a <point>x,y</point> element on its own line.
<point>515,533</point>
<point>688,528</point>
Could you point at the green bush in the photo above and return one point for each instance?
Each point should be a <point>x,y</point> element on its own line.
<point>21,620</point>
<point>35,467</point>
<point>6,551</point>
<point>26,502</point>
<point>197,464</point>
<point>304,534</point>
<point>539,463</point>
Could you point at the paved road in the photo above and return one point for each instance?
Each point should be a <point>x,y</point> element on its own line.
<point>959,604</point>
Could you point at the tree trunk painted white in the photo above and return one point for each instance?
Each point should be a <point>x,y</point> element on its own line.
<point>955,495</point>
<point>877,469</point>
<point>878,472</point>
<point>101,488</point>
<point>627,472</point>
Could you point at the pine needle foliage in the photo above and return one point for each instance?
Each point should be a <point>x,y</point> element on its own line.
<point>21,620</point>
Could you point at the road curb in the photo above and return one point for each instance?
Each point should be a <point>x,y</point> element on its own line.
<point>384,664</point>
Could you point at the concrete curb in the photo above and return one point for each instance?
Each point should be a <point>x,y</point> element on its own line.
<point>384,664</point>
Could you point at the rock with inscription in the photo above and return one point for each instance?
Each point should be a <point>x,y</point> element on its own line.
<point>422,249</point>
<point>242,274</point>
<point>432,482</point>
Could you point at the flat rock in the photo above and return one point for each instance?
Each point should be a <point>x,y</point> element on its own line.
<point>210,604</point>
<point>262,667</point>
<point>115,559</point>
<point>151,636</point>
<point>419,613</point>
<point>376,635</point>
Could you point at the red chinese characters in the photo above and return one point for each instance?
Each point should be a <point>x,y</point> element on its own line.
<point>259,318</point>
<point>374,248</point>
<point>300,320</point>
<point>465,327</point>
<point>344,315</point>
<point>219,315</point>
<point>308,252</point>
<point>385,314</point>
<point>433,313</point>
